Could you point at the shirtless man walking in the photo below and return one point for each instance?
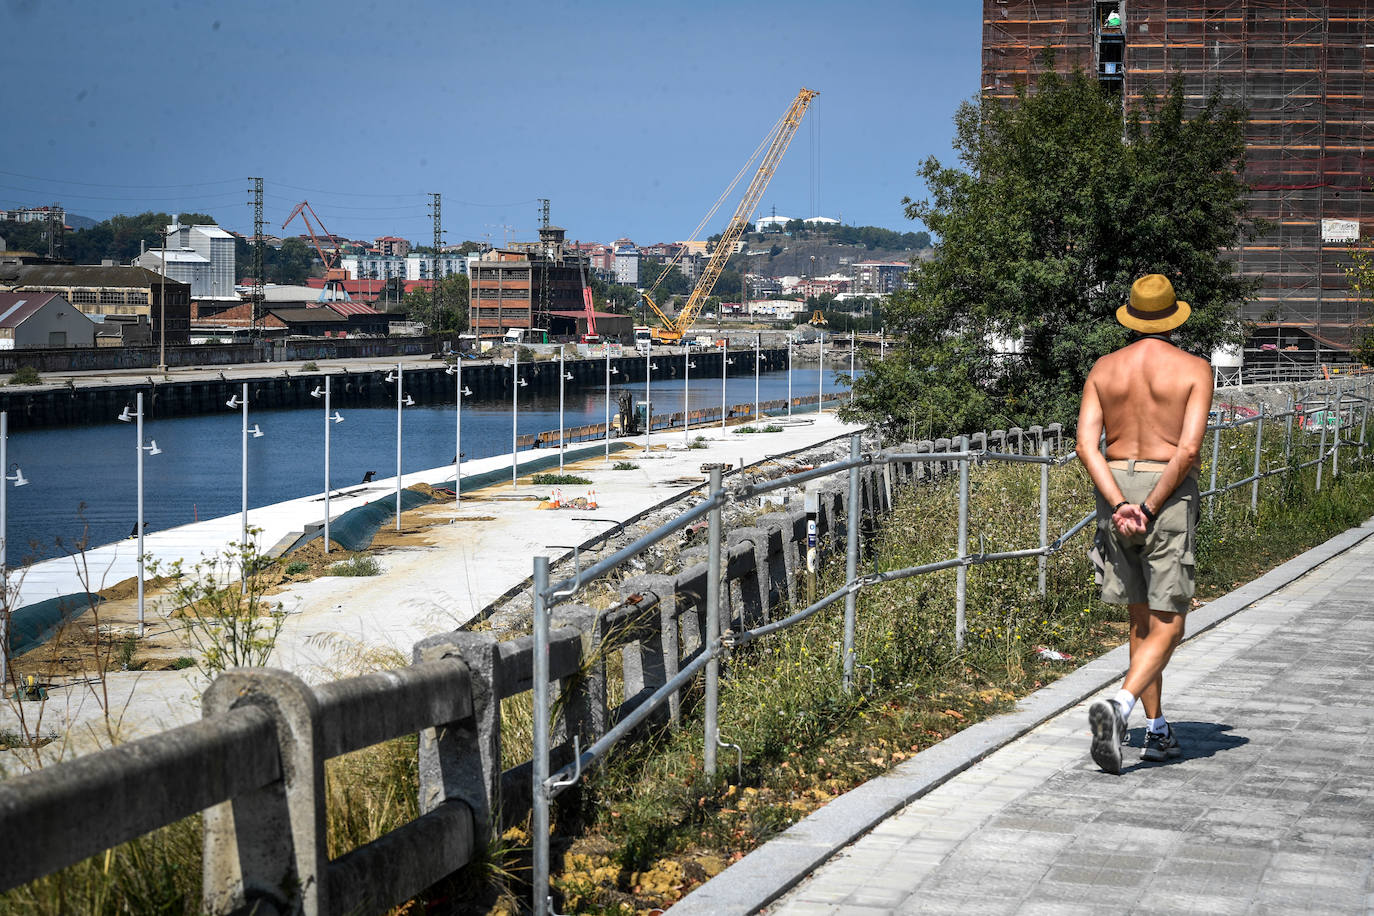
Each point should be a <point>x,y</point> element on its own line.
<point>1153,401</point>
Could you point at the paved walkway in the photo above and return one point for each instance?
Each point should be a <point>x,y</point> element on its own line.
<point>1269,810</point>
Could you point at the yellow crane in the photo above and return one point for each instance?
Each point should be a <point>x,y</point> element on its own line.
<point>778,139</point>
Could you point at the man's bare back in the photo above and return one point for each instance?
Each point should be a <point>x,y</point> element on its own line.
<point>1153,400</point>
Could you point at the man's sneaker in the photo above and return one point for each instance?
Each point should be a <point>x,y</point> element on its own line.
<point>1159,745</point>
<point>1107,724</point>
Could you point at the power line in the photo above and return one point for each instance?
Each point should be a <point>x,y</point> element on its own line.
<point>123,187</point>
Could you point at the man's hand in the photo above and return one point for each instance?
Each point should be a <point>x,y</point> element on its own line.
<point>1130,520</point>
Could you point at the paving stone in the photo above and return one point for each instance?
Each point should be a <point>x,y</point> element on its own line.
<point>1269,810</point>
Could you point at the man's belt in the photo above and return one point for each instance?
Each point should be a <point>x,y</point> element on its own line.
<point>1136,464</point>
<point>1143,464</point>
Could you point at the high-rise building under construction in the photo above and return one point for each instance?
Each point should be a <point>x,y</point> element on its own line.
<point>1302,68</point>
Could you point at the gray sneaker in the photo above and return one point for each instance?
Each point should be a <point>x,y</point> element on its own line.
<point>1158,746</point>
<point>1104,718</point>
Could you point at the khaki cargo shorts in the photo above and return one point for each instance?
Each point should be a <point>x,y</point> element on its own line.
<point>1154,568</point>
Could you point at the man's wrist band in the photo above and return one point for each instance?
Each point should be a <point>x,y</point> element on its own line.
<point>1149,516</point>
<point>1117,507</point>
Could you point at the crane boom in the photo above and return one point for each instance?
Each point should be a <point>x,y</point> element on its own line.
<point>782,133</point>
<point>332,272</point>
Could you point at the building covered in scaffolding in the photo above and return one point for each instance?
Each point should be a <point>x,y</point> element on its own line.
<point>1301,68</point>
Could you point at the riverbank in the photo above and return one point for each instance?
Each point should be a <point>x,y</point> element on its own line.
<point>443,568</point>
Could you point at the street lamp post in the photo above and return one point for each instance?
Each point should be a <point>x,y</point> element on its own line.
<point>563,376</point>
<point>758,344</point>
<point>242,402</point>
<point>516,383</point>
<point>789,375</point>
<point>402,400</point>
<point>17,478</point>
<point>725,362</point>
<point>851,366</point>
<point>820,371</point>
<point>139,449</point>
<point>687,365</point>
<point>456,370</point>
<point>610,371</point>
<point>649,367</point>
<point>328,419</point>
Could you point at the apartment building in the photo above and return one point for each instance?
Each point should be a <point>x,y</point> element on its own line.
<point>1302,68</point>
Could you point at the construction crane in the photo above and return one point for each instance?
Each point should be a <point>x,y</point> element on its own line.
<point>334,275</point>
<point>674,329</point>
<point>591,337</point>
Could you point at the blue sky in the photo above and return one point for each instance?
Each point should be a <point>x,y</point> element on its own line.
<point>631,118</point>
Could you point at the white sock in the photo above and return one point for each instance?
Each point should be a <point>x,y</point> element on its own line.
<point>1158,726</point>
<point>1126,700</point>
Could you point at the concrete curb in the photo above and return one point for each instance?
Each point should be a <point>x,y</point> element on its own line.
<point>780,864</point>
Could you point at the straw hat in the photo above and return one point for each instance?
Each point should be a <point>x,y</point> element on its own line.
<point>1153,308</point>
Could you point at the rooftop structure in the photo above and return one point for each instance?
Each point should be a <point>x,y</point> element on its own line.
<point>521,286</point>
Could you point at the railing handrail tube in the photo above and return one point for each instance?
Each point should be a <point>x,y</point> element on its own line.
<point>576,581</point>
<point>653,701</point>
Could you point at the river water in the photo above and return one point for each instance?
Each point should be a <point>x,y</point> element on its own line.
<point>83,483</point>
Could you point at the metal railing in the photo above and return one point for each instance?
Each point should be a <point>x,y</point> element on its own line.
<point>256,760</point>
<point>719,639</point>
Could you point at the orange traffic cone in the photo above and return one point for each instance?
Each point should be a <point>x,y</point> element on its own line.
<point>557,498</point>
<point>591,499</point>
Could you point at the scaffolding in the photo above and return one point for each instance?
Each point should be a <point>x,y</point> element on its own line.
<point>1301,68</point>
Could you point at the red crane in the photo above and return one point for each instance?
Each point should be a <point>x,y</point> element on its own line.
<point>334,275</point>
<point>591,337</point>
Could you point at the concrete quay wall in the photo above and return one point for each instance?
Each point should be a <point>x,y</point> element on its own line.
<point>90,401</point>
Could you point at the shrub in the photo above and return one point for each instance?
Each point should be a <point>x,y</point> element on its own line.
<point>230,623</point>
<point>310,367</point>
<point>356,565</point>
<point>296,567</point>
<point>698,442</point>
<point>555,480</point>
<point>25,375</point>
<point>624,466</point>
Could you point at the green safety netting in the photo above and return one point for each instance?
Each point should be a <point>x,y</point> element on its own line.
<point>34,624</point>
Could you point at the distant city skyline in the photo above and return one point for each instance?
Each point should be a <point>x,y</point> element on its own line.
<point>632,121</point>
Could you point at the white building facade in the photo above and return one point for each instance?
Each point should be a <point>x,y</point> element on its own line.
<point>422,266</point>
<point>627,265</point>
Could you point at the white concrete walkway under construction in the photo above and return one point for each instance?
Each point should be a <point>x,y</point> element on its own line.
<point>435,579</point>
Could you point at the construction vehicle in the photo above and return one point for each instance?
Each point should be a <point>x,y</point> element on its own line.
<point>334,275</point>
<point>817,319</point>
<point>778,139</point>
<point>591,337</point>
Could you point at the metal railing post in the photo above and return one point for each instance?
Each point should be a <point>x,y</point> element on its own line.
<point>1340,425</point>
<point>1259,447</point>
<point>540,826</point>
<point>1212,482</point>
<point>1364,416</point>
<point>1288,434</point>
<point>961,574</point>
<point>1044,560</point>
<point>1321,449</point>
<point>851,564</point>
<point>712,704</point>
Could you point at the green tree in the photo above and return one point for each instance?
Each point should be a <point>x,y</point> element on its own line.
<point>418,304</point>
<point>1360,274</point>
<point>1055,212</point>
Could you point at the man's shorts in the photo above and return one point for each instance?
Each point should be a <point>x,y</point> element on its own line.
<point>1154,568</point>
